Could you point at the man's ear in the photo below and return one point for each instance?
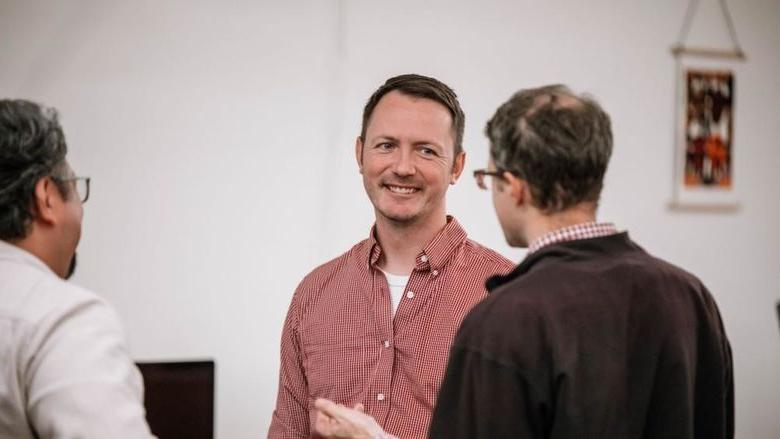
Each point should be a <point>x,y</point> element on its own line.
<point>518,188</point>
<point>46,197</point>
<point>359,153</point>
<point>457,167</point>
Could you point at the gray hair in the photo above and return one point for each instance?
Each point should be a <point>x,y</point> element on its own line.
<point>32,146</point>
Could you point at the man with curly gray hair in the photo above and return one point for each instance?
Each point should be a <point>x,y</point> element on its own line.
<point>64,366</point>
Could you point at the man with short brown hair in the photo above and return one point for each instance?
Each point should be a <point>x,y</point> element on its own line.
<point>374,326</point>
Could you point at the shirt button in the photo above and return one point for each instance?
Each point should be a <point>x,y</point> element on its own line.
<point>435,272</point>
<point>387,343</point>
<point>424,258</point>
<point>380,397</point>
<point>410,294</point>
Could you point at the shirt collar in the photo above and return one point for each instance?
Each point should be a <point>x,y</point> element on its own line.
<point>10,252</point>
<point>435,254</point>
<point>571,233</point>
<point>617,242</point>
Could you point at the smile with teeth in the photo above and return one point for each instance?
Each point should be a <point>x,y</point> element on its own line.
<point>401,189</point>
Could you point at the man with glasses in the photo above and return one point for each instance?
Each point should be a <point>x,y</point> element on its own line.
<point>374,326</point>
<point>64,367</point>
<point>589,336</point>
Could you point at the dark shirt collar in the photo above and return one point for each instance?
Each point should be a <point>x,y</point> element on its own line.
<point>558,249</point>
<point>435,254</point>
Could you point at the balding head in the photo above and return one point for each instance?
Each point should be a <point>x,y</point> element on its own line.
<point>560,143</point>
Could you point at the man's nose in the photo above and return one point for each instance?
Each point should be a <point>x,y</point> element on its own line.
<point>404,163</point>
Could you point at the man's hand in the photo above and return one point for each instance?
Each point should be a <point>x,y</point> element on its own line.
<point>336,421</point>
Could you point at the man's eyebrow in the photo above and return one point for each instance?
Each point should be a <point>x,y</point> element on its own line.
<point>384,137</point>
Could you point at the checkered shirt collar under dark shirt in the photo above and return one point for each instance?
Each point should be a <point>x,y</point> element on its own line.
<point>571,233</point>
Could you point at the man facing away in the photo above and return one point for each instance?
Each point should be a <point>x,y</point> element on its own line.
<point>374,326</point>
<point>589,336</point>
<point>64,367</point>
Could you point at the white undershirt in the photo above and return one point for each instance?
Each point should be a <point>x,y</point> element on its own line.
<point>397,286</point>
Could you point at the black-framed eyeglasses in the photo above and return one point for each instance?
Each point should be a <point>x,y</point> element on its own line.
<point>80,183</point>
<point>480,174</point>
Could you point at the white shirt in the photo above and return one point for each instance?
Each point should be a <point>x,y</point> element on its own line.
<point>64,368</point>
<point>397,286</point>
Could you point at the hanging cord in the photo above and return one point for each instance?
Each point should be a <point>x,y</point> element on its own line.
<point>690,12</point>
<point>730,24</point>
<point>686,27</point>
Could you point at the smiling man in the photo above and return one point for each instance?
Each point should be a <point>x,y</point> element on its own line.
<point>374,326</point>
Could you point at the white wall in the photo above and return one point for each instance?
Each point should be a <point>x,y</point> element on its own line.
<point>220,141</point>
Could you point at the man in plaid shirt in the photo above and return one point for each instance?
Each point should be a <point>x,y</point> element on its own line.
<point>374,326</point>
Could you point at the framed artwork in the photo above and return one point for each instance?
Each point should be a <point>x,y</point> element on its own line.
<point>705,150</point>
<point>705,120</point>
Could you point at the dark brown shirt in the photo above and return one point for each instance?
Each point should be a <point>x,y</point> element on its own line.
<point>592,338</point>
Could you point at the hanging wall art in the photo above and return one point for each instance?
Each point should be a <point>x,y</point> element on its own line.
<point>705,115</point>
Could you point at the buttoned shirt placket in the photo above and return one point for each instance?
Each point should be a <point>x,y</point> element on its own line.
<point>418,289</point>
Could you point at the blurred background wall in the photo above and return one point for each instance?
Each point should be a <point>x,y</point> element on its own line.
<point>219,137</point>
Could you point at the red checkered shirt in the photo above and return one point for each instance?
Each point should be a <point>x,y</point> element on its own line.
<point>571,233</point>
<point>341,342</point>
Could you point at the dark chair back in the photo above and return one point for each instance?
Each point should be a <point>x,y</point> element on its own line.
<point>778,312</point>
<point>179,398</point>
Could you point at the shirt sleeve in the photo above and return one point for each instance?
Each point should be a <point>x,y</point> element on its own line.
<point>80,379</point>
<point>483,398</point>
<point>291,415</point>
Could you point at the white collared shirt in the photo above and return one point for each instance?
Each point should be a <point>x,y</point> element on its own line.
<point>64,367</point>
